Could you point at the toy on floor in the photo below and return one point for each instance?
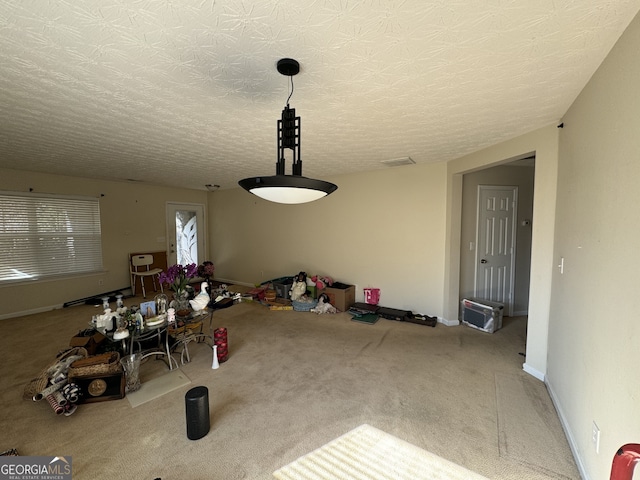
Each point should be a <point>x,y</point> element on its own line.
<point>322,281</point>
<point>299,287</point>
<point>324,305</point>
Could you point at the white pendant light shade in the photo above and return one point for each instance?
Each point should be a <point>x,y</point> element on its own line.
<point>288,189</point>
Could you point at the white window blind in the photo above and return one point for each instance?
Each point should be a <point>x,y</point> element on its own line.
<point>44,236</point>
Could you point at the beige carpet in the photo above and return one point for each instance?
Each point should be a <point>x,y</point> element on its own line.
<point>294,381</point>
<point>529,430</point>
<point>367,453</point>
<point>157,387</point>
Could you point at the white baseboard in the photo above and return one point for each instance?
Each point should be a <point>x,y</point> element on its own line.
<point>30,312</point>
<point>567,432</point>
<point>532,371</point>
<point>448,323</point>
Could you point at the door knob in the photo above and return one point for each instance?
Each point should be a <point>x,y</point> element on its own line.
<point>483,261</point>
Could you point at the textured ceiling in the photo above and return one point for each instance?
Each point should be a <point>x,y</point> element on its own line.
<point>186,92</point>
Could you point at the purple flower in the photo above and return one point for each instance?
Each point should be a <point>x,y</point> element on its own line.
<point>177,276</point>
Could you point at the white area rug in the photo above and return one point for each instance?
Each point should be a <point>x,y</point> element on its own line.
<point>157,387</point>
<point>367,453</point>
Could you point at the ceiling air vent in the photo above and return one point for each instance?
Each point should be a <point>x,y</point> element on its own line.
<point>396,162</point>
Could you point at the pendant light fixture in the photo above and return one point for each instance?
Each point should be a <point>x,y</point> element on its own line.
<point>294,188</point>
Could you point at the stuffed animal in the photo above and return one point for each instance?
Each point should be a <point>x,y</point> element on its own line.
<point>324,306</point>
<point>322,282</point>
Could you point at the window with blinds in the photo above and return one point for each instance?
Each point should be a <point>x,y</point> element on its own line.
<point>44,236</point>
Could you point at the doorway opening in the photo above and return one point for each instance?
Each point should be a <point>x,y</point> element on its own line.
<point>500,230</point>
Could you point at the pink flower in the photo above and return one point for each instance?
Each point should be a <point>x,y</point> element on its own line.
<point>206,269</point>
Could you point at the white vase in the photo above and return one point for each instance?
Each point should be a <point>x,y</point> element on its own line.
<point>215,358</point>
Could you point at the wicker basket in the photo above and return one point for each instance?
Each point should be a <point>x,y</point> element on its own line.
<point>39,383</point>
<point>105,364</point>
<point>303,306</point>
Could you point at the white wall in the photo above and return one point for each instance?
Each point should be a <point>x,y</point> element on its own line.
<point>383,229</point>
<point>594,332</point>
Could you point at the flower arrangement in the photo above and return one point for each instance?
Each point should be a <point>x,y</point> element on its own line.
<point>177,277</point>
<point>206,269</point>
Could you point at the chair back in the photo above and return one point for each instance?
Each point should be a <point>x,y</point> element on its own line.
<point>141,261</point>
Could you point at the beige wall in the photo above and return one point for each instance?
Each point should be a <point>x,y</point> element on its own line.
<point>594,331</point>
<point>544,143</point>
<point>518,176</point>
<point>132,217</point>
<point>382,229</point>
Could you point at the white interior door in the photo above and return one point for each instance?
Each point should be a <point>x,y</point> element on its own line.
<point>185,233</point>
<point>495,253</point>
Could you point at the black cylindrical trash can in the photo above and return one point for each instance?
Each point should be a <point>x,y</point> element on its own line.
<point>197,407</point>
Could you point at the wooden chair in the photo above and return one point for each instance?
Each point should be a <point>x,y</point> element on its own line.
<point>140,268</point>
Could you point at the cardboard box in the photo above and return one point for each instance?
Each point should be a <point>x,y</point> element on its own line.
<point>89,341</point>
<point>341,296</point>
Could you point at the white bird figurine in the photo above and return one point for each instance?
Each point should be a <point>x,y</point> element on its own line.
<point>201,300</point>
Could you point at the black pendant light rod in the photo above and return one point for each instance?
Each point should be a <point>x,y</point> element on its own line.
<point>289,138</point>
<point>289,129</point>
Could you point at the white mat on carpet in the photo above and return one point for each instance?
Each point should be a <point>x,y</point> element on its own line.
<point>157,387</point>
<point>367,453</point>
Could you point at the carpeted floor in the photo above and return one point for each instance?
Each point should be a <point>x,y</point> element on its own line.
<point>368,453</point>
<point>516,394</point>
<point>294,382</point>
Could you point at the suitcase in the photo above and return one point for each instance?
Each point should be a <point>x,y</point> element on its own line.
<point>422,320</point>
<point>393,314</point>
<point>359,308</point>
